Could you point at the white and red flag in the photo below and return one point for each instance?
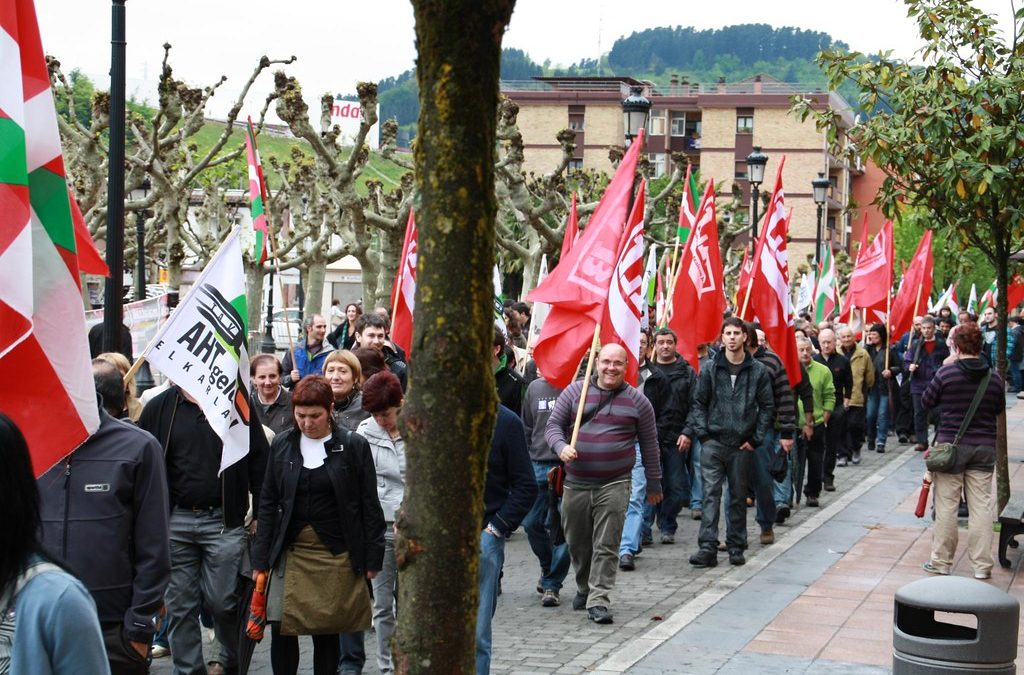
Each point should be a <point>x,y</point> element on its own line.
<point>770,301</point>
<point>826,287</point>
<point>403,291</point>
<point>915,289</point>
<point>258,196</point>
<point>626,307</point>
<point>44,352</point>
<point>698,301</point>
<point>577,288</point>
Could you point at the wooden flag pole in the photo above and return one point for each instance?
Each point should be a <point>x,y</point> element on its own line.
<point>595,344</point>
<point>888,320</point>
<point>746,296</point>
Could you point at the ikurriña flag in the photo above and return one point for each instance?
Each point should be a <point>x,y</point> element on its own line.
<point>44,352</point>
<point>202,349</point>
<point>258,196</point>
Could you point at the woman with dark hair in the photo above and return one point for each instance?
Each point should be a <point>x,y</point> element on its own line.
<point>878,395</point>
<point>345,375</point>
<point>344,335</point>
<point>382,400</point>
<point>953,389</point>
<point>48,621</point>
<point>321,531</point>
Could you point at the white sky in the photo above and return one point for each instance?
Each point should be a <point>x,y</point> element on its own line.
<point>340,43</point>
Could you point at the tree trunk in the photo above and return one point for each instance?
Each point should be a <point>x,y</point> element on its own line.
<point>390,251</point>
<point>448,428</point>
<point>1002,263</point>
<point>313,283</point>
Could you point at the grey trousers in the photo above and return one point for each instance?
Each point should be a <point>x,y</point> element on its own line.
<point>592,518</point>
<point>205,561</point>
<point>385,592</point>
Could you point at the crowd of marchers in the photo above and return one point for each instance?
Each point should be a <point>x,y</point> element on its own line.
<point>134,543</point>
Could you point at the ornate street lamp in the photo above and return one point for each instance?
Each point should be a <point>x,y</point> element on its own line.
<point>635,109</point>
<point>755,174</point>
<point>820,186</point>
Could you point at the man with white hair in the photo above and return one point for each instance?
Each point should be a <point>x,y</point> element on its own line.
<point>863,372</point>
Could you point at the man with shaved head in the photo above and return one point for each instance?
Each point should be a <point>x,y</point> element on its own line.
<point>616,417</point>
<point>836,449</point>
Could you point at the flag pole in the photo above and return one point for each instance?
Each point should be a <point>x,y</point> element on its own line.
<point>594,345</point>
<point>674,275</point>
<point>888,320</point>
<point>746,296</point>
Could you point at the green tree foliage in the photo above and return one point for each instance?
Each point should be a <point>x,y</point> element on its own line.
<point>949,137</point>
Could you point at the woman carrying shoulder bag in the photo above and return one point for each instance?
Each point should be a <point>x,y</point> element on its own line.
<point>321,531</point>
<point>953,389</point>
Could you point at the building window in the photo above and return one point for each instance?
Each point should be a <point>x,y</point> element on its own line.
<point>576,121</point>
<point>656,125</point>
<point>744,124</point>
<point>576,165</point>
<point>741,171</point>
<point>679,124</point>
<point>657,164</point>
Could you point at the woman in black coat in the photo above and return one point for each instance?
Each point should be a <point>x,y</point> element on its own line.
<point>321,530</point>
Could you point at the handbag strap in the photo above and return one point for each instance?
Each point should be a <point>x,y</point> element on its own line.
<point>982,387</point>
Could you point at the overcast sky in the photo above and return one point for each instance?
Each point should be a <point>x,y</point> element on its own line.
<point>340,43</point>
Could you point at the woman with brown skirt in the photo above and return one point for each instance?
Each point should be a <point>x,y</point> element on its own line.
<point>321,531</point>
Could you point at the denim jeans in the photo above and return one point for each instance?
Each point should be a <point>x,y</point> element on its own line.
<point>492,557</point>
<point>696,483</point>
<point>878,414</point>
<point>782,490</point>
<point>675,482</point>
<point>718,464</point>
<point>205,561</point>
<point>554,560</point>
<point>353,653</point>
<point>632,527</point>
<point>1013,368</point>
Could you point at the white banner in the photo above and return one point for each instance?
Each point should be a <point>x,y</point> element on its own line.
<point>143,319</point>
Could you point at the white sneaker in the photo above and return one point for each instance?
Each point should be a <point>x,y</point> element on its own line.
<point>160,651</point>
<point>983,575</point>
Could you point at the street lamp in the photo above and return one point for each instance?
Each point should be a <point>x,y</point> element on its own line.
<point>755,174</point>
<point>143,376</point>
<point>820,186</point>
<point>113,294</point>
<point>635,109</point>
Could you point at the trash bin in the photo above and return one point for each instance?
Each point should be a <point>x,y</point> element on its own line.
<point>924,643</point>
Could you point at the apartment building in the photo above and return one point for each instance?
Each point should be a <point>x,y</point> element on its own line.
<point>714,126</point>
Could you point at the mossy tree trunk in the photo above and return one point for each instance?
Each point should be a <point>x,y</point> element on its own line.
<point>450,408</point>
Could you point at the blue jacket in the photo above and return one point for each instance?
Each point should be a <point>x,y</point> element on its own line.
<point>510,488</point>
<point>306,362</point>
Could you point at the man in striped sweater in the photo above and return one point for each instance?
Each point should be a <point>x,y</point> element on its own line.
<point>616,417</point>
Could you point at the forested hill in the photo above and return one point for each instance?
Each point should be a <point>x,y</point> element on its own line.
<point>732,52</point>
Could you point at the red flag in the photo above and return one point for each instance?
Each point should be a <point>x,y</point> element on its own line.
<point>1014,291</point>
<point>572,230</point>
<point>403,291</point>
<point>915,290</point>
<point>743,283</point>
<point>769,300</point>
<point>699,298</point>
<point>90,261</point>
<point>625,306</point>
<point>576,289</point>
<point>871,281</point>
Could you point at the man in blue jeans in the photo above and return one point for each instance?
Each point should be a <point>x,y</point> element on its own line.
<point>554,558</point>
<point>509,491</point>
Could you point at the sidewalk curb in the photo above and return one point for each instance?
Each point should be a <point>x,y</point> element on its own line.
<point>630,653</point>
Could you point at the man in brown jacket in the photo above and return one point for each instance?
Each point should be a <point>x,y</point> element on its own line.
<point>863,371</point>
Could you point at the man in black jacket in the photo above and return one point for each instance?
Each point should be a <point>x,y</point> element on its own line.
<point>509,491</point>
<point>206,524</point>
<point>732,412</point>
<point>104,515</point>
<point>509,383</point>
<point>836,451</point>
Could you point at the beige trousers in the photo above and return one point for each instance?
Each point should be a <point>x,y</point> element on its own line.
<point>947,488</point>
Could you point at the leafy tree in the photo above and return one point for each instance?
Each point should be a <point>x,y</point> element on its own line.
<point>949,138</point>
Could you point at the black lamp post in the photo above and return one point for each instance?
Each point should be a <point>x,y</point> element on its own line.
<point>113,294</point>
<point>635,109</point>
<point>820,186</point>
<point>143,377</point>
<point>267,345</point>
<point>755,174</point>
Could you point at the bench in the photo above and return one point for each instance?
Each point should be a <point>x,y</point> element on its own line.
<point>1011,523</point>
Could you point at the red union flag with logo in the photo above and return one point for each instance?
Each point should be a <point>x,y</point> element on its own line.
<point>621,322</point>
<point>403,292</point>
<point>578,286</point>
<point>699,297</point>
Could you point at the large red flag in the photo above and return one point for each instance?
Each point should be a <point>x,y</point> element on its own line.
<point>403,292</point>
<point>625,306</point>
<point>914,291</point>
<point>577,288</point>
<point>699,298</point>
<point>1014,291</point>
<point>769,300</point>
<point>572,230</point>
<point>871,281</point>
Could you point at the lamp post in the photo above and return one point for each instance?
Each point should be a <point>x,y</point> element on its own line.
<point>267,345</point>
<point>820,186</point>
<point>635,109</point>
<point>113,293</point>
<point>143,377</point>
<point>755,174</point>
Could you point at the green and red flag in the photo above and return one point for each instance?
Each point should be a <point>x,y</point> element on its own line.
<point>826,290</point>
<point>688,207</point>
<point>43,344</point>
<point>988,299</point>
<point>257,195</point>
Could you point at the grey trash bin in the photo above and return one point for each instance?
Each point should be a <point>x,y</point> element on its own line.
<point>923,643</point>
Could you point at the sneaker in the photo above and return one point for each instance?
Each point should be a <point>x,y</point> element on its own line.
<point>920,447</point>
<point>215,668</point>
<point>880,449</point>
<point>159,651</point>
<point>668,538</point>
<point>627,563</point>
<point>902,439</point>
<point>1020,395</point>
<point>856,457</point>
<point>812,501</point>
<point>931,569</point>
<point>647,540</point>
<point>983,575</point>
<point>599,615</point>
<point>830,486</point>
<point>696,514</point>
<point>550,598</point>
<point>579,602</point>
<point>781,513</point>
<point>871,446</point>
<point>704,558</point>
<point>721,546</point>
<point>841,461</point>
<point>736,558</point>
<point>767,537</point>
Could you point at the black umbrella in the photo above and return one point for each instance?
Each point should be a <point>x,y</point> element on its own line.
<point>246,588</point>
<point>797,467</point>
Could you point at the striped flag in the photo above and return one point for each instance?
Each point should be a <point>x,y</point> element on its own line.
<point>827,288</point>
<point>257,195</point>
<point>988,299</point>
<point>688,207</point>
<point>650,282</point>
<point>44,353</point>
